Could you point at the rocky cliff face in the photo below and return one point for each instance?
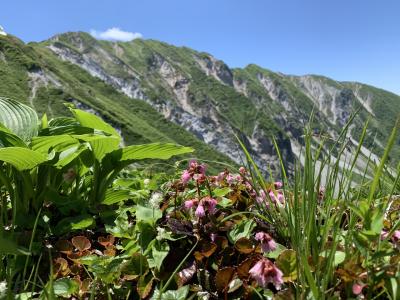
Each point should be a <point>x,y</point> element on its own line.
<point>204,96</point>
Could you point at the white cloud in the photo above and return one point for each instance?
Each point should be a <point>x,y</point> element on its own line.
<point>115,34</point>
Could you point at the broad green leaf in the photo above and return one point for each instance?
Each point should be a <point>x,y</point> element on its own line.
<point>62,121</point>
<point>147,215</point>
<point>221,192</point>
<point>339,256</point>
<point>8,246</point>
<point>92,121</point>
<point>19,118</point>
<point>44,144</point>
<point>159,251</point>
<point>74,223</point>
<point>274,254</point>
<point>128,155</point>
<point>100,144</point>
<point>240,230</point>
<point>115,196</point>
<point>377,222</point>
<point>21,158</point>
<point>286,262</point>
<point>155,151</point>
<point>135,267</point>
<point>9,139</point>
<point>65,287</point>
<point>69,155</point>
<point>179,294</point>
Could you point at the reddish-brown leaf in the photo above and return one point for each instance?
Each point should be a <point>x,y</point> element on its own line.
<point>81,243</point>
<point>224,277</point>
<point>206,249</point>
<point>245,266</point>
<point>61,267</point>
<point>64,246</point>
<point>106,241</point>
<point>244,245</point>
<point>110,250</point>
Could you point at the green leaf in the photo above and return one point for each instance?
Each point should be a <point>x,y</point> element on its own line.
<point>159,251</point>
<point>58,143</point>
<point>74,223</point>
<point>221,192</point>
<point>8,139</point>
<point>115,196</point>
<point>65,287</point>
<point>156,151</point>
<point>240,230</point>
<point>103,145</point>
<point>136,266</point>
<point>92,121</point>
<point>377,222</point>
<point>179,294</point>
<point>128,155</point>
<point>338,257</point>
<point>18,118</point>
<point>145,285</point>
<point>21,158</point>
<point>274,254</point>
<point>147,215</point>
<point>8,246</point>
<point>286,262</point>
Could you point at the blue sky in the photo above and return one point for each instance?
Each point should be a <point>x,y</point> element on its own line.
<point>357,40</point>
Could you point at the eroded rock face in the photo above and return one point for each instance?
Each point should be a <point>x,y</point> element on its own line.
<point>180,107</point>
<point>130,85</point>
<point>170,83</point>
<point>215,68</point>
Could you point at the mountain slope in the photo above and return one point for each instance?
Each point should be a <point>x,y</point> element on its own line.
<point>154,91</point>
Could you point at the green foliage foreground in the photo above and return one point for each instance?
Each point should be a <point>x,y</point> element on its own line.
<point>79,219</point>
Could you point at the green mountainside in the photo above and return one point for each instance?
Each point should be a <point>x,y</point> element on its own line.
<point>152,91</point>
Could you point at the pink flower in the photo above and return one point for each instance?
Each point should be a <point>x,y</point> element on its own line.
<point>230,179</point>
<point>201,169</point>
<point>384,234</point>
<point>357,288</point>
<point>200,178</point>
<point>190,203</point>
<point>396,236</point>
<point>221,176</point>
<point>262,196</point>
<point>281,198</point>
<point>264,272</point>
<point>272,196</point>
<point>185,177</point>
<point>200,212</point>
<point>267,243</point>
<point>242,170</point>
<point>278,184</point>
<point>193,164</point>
<point>210,204</point>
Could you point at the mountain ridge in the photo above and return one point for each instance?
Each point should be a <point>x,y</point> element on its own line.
<point>206,97</point>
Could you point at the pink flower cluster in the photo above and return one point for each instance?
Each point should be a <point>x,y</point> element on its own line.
<point>267,243</point>
<point>196,171</point>
<point>206,204</point>
<point>265,271</point>
<point>275,197</point>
